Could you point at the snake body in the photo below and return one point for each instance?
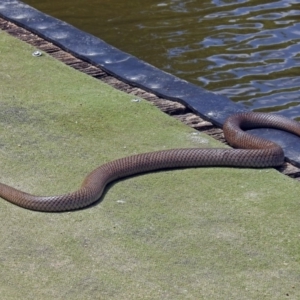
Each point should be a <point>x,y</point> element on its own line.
<point>255,152</point>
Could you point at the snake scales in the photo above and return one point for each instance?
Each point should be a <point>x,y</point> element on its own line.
<point>256,152</point>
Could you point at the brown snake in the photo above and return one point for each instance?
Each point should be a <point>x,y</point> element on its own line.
<point>256,152</point>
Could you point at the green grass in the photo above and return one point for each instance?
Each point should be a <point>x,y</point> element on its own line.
<point>206,233</point>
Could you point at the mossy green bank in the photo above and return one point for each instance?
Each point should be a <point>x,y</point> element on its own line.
<point>205,233</point>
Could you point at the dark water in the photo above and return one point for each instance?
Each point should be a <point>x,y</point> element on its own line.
<point>248,50</point>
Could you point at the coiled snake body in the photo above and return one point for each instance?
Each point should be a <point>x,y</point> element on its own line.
<point>256,152</point>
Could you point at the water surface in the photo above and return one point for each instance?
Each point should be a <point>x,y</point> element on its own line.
<point>244,49</point>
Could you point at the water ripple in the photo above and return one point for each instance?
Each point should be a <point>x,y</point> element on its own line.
<point>256,57</point>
